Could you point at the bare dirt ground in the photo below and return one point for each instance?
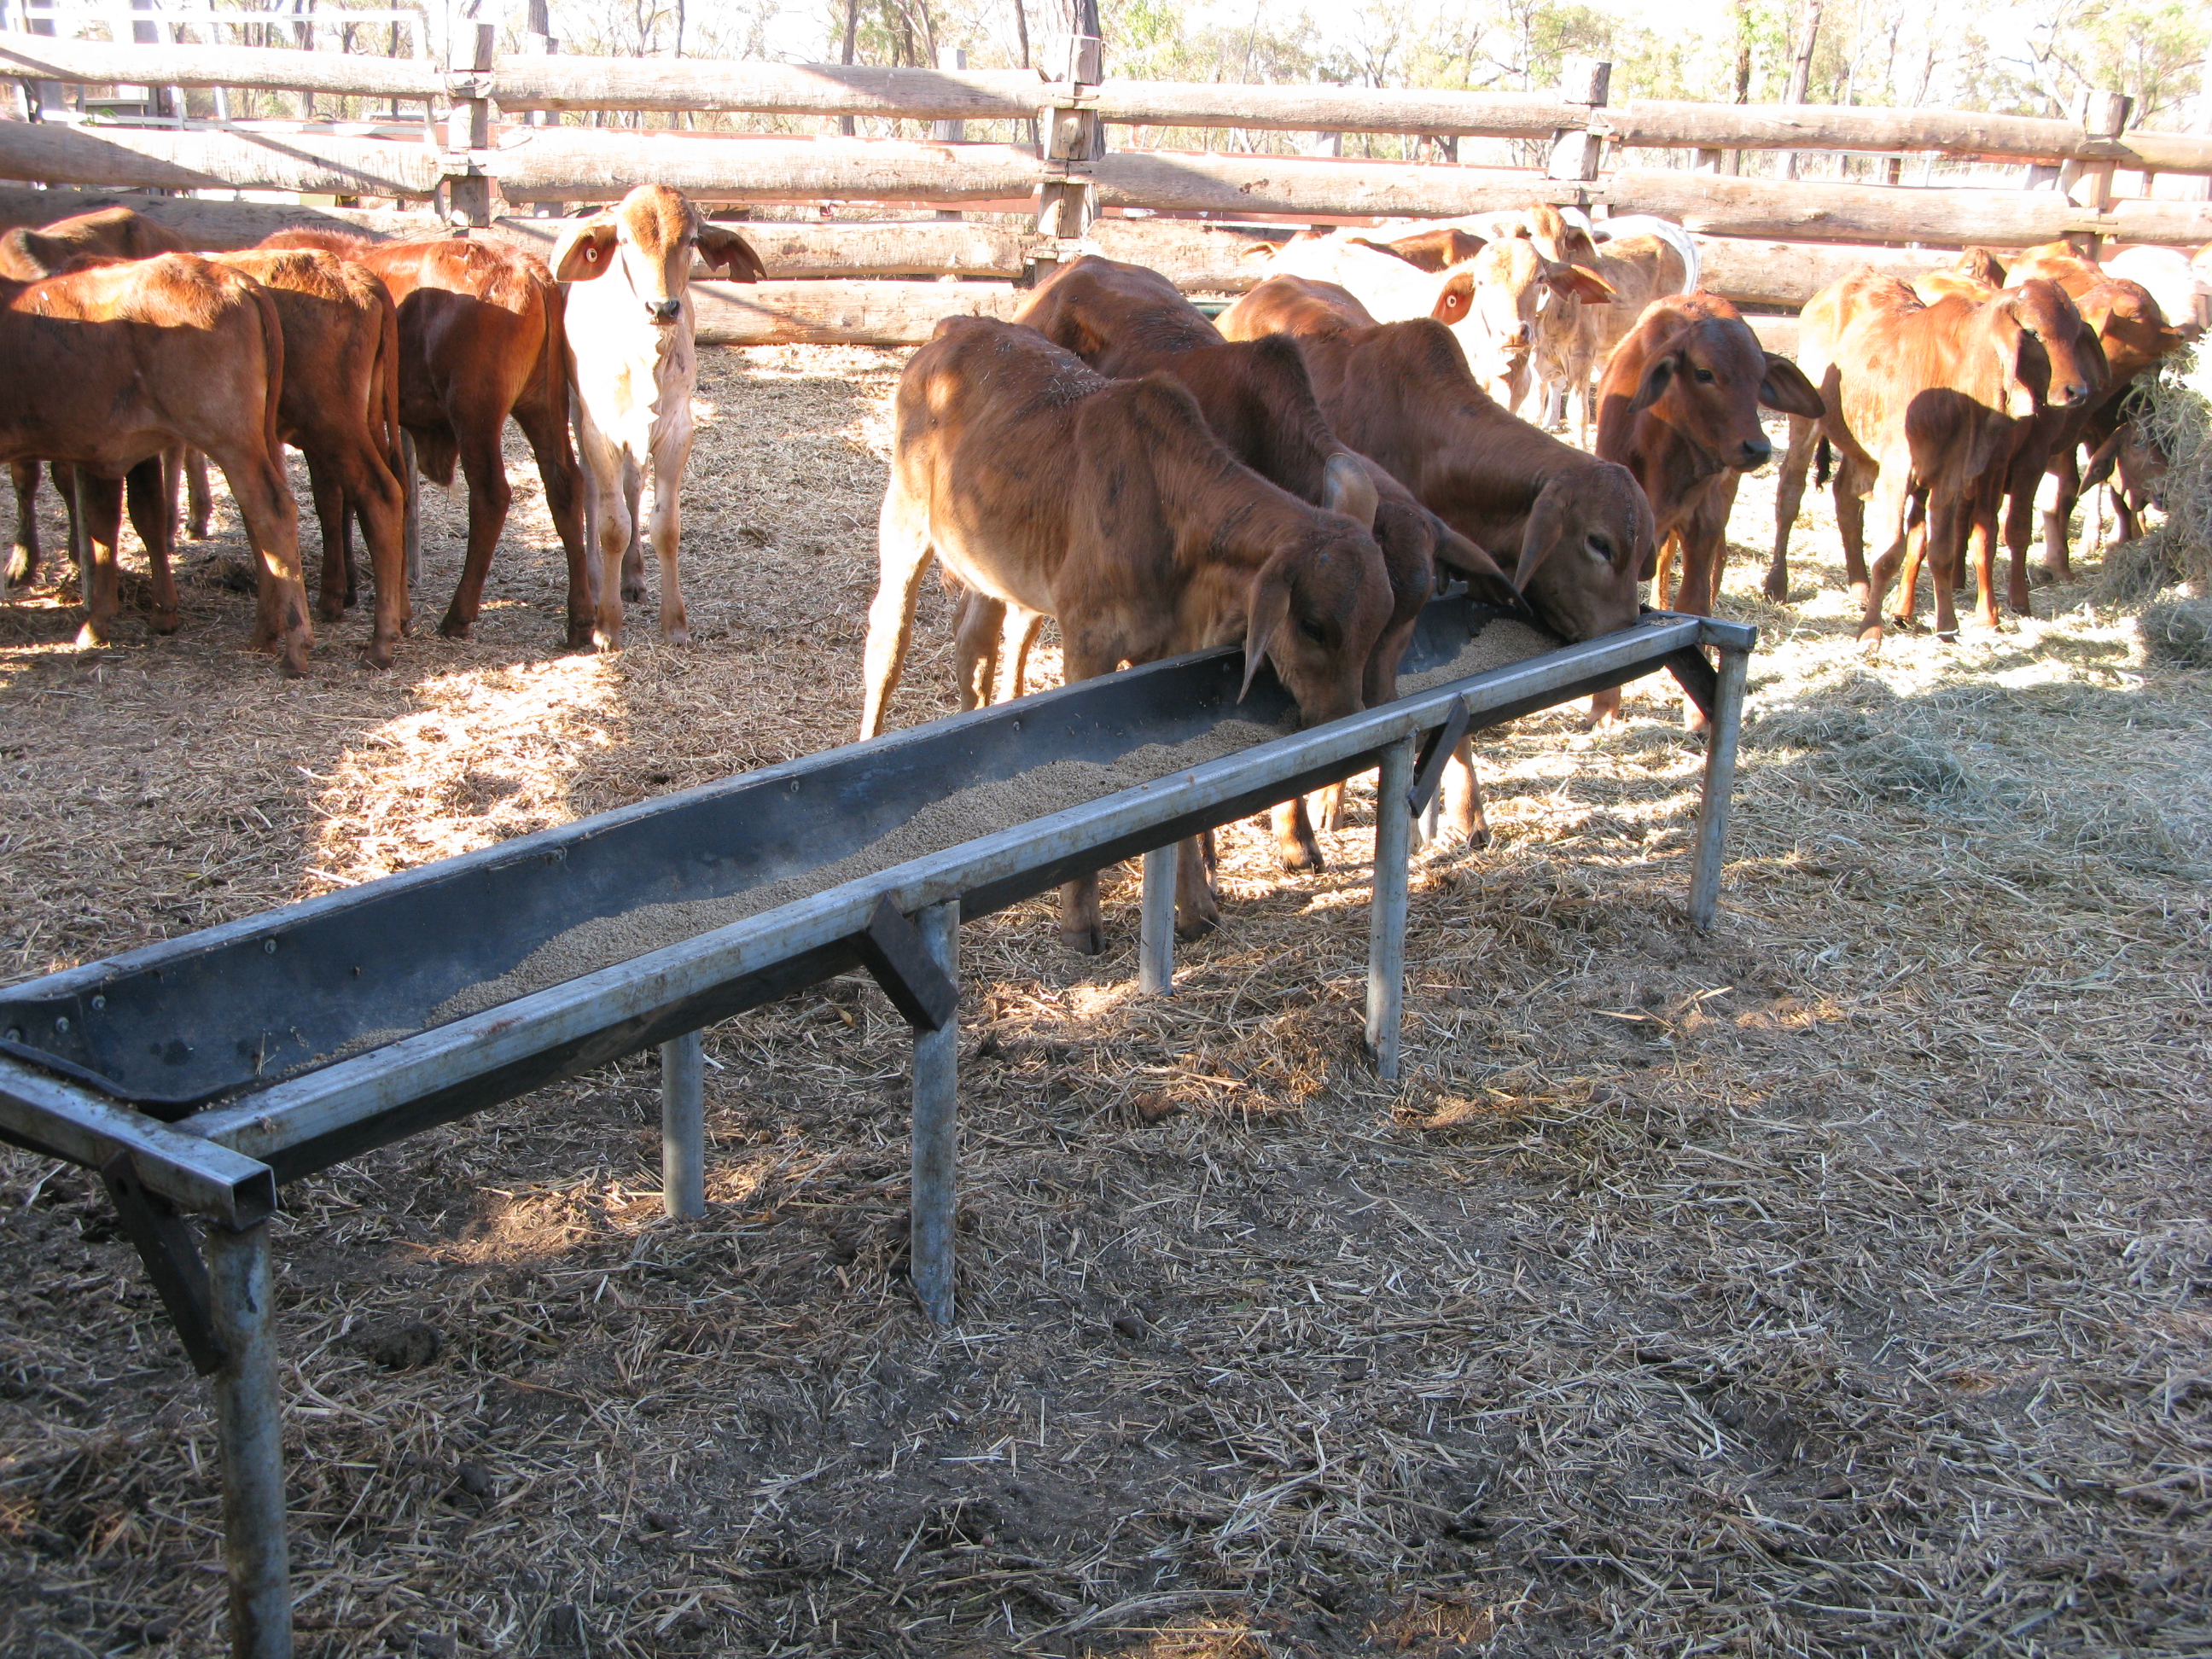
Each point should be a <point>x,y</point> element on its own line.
<point>1838,1285</point>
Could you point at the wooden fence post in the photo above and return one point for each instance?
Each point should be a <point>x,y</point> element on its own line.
<point>1073,138</point>
<point>1577,151</point>
<point>465,189</point>
<point>2089,183</point>
<point>949,132</point>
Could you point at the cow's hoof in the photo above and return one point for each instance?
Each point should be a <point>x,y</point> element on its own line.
<point>1777,587</point>
<point>580,635</point>
<point>90,638</point>
<point>633,591</point>
<point>603,642</point>
<point>453,629</point>
<point>1948,635</point>
<point>676,636</point>
<point>1195,928</point>
<point>294,662</point>
<point>165,622</point>
<point>1870,640</point>
<point>1085,941</point>
<point>329,611</point>
<point>21,565</point>
<point>378,653</point>
<point>1301,856</point>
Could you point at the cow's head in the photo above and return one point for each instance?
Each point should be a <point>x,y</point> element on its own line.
<point>1317,605</point>
<point>1708,380</point>
<point>1491,302</point>
<point>1587,542</point>
<point>2129,325</point>
<point>2043,348</point>
<point>651,236</point>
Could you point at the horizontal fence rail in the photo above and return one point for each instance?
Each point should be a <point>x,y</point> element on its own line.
<point>564,82</point>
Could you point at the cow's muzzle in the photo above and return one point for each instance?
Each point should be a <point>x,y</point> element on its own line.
<point>664,312</point>
<point>1754,453</point>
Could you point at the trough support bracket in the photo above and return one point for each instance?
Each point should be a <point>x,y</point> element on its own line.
<point>1429,771</point>
<point>1719,787</point>
<point>1386,947</point>
<point>1695,675</point>
<point>164,1242</point>
<point>896,955</point>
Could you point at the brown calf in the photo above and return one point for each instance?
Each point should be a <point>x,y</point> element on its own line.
<point>1925,398</point>
<point>1678,408</point>
<point>1126,320</point>
<point>25,255</point>
<point>340,411</point>
<point>479,340</point>
<point>1109,505</point>
<point>110,365</point>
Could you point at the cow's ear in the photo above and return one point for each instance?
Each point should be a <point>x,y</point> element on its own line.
<point>1347,488</point>
<point>586,249</point>
<point>1574,282</point>
<point>2020,354</point>
<point>1455,298</point>
<point>1485,577</point>
<point>723,249</point>
<point>1267,610</point>
<point>1786,388</point>
<point>2107,456</point>
<point>1658,374</point>
<point>1538,537</point>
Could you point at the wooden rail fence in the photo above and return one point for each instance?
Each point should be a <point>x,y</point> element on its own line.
<point>1769,242</point>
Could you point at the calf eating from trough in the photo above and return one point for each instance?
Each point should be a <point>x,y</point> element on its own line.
<point>633,365</point>
<point>1125,320</point>
<point>1110,506</point>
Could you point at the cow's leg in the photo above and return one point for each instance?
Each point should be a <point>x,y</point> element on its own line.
<point>100,521</point>
<point>1015,643</point>
<point>264,498</point>
<point>154,516</point>
<point>1082,927</point>
<point>1788,498</point>
<point>1198,912</point>
<point>903,555</point>
<point>1949,521</point>
<point>633,564</point>
<point>615,488</point>
<point>365,483</point>
<point>1886,511</point>
<point>671,451</point>
<point>23,553</point>
<point>200,500</point>
<point>476,439</point>
<point>2019,530</point>
<point>1295,844</point>
<point>1980,522</point>
<point>334,592</point>
<point>1916,554</point>
<point>2065,474</point>
<point>1851,528</point>
<point>979,623</point>
<point>1463,795</point>
<point>557,468</point>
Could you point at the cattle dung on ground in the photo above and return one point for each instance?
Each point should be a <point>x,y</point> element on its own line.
<point>1832,1284</point>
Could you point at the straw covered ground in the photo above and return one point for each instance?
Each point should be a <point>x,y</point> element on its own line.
<point>1838,1285</point>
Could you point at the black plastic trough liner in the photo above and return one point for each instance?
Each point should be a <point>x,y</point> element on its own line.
<point>240,1034</point>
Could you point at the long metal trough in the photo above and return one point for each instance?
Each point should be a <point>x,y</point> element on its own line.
<point>200,1074</point>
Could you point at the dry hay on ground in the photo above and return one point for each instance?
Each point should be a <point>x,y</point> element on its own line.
<point>1837,1286</point>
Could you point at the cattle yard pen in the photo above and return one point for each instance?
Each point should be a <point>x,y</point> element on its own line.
<point>1766,242</point>
<point>100,1073</point>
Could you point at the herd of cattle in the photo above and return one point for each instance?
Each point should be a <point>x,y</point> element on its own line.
<point>1297,474</point>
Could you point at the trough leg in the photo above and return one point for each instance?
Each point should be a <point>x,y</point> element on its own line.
<point>684,1128</point>
<point>411,525</point>
<point>1386,951</point>
<point>1156,933</point>
<point>248,1427</point>
<point>1719,789</point>
<point>937,1123</point>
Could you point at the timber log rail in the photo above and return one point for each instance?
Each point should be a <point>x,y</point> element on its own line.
<point>197,1074</point>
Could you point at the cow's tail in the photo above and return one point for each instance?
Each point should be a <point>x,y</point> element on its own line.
<point>554,361</point>
<point>387,349</point>
<point>1824,461</point>
<point>273,353</point>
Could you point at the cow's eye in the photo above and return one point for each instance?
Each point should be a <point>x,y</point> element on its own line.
<point>1312,629</point>
<point>1704,376</point>
<point>1601,548</point>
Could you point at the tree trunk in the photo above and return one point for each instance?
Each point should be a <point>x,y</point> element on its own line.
<point>1800,74</point>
